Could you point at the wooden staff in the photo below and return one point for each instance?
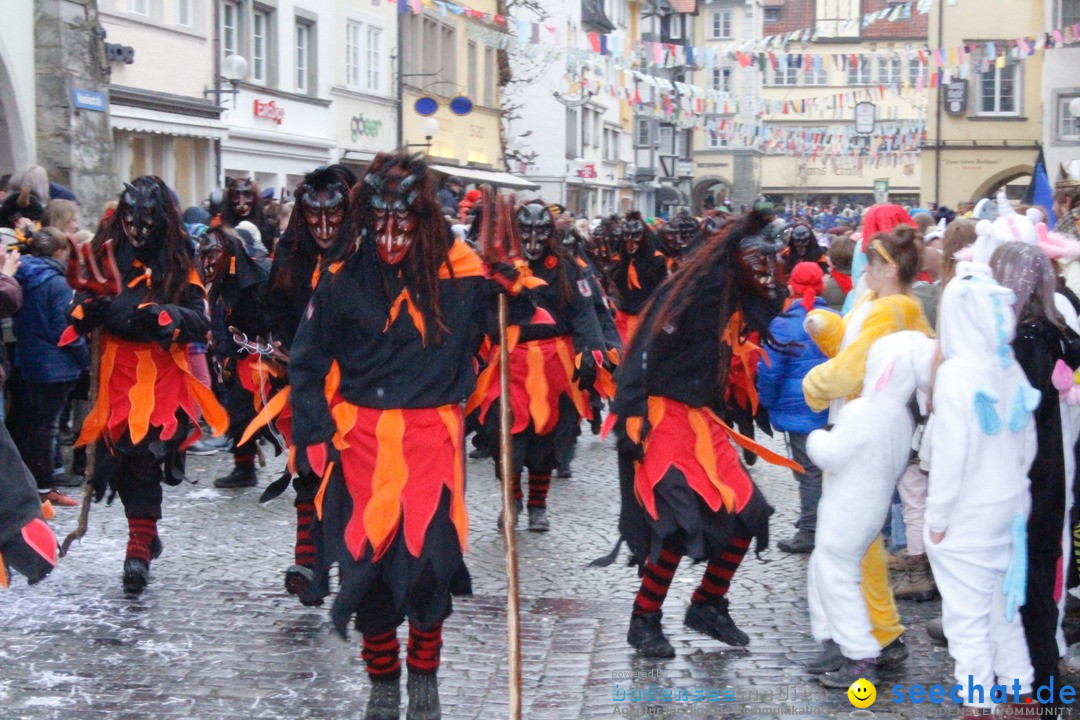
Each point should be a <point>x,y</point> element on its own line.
<point>91,449</point>
<point>100,276</point>
<point>498,244</point>
<point>506,459</point>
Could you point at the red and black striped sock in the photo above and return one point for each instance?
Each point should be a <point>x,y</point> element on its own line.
<point>718,574</point>
<point>655,582</point>
<point>141,533</point>
<point>422,653</point>
<point>538,489</point>
<point>382,653</point>
<point>244,460</point>
<point>305,548</point>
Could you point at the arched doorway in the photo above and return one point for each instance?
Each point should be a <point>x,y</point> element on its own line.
<point>1015,180</point>
<point>709,192</point>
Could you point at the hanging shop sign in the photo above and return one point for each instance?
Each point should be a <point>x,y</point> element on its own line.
<point>269,110</point>
<point>956,97</point>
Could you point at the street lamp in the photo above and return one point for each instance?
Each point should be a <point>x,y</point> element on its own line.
<point>234,68</point>
<point>429,126</point>
<point>631,171</point>
<point>577,165</point>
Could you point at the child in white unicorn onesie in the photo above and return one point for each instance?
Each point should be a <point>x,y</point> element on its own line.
<point>862,456</point>
<point>982,443</point>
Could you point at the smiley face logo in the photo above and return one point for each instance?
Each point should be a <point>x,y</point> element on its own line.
<point>862,693</point>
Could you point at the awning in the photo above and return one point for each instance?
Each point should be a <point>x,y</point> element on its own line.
<point>491,177</point>
<point>671,196</point>
<point>143,120</point>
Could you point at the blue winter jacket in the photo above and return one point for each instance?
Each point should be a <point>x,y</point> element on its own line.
<point>779,385</point>
<point>40,322</point>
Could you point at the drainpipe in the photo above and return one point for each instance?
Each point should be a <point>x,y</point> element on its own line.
<point>937,124</point>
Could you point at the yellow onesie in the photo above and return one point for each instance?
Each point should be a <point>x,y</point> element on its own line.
<point>841,378</point>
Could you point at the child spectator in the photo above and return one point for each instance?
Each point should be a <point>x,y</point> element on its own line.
<point>62,215</point>
<point>838,283</point>
<point>779,385</point>
<point>47,372</point>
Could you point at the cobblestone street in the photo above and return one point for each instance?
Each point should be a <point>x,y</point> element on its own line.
<point>215,635</point>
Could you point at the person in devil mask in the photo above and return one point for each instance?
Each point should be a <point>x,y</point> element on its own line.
<point>148,400</point>
<point>243,201</point>
<point>802,246</point>
<point>399,318</point>
<point>637,270</point>
<point>677,237</point>
<point>575,242</point>
<point>684,491</point>
<point>600,248</point>
<point>237,285</point>
<point>315,240</point>
<point>553,365</point>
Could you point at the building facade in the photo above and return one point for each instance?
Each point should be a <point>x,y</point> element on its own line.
<point>363,81</point>
<point>443,60</point>
<point>570,125</point>
<point>987,134</point>
<point>1061,86</point>
<point>281,123</point>
<point>160,57</point>
<point>790,132</point>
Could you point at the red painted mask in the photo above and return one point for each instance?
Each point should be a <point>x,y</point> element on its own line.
<point>324,212</point>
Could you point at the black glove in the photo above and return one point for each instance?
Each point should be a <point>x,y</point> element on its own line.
<point>585,374</point>
<point>755,519</point>
<point>146,323</point>
<point>314,459</point>
<point>504,273</point>
<point>628,446</point>
<point>32,551</point>
<point>93,311</point>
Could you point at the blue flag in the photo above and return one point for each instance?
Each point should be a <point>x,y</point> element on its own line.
<point>1041,192</point>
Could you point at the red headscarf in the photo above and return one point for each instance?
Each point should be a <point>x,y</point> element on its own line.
<point>882,219</point>
<point>807,280</point>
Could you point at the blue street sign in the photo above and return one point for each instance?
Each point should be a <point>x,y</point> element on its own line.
<point>426,106</point>
<point>89,100</point>
<point>461,105</point>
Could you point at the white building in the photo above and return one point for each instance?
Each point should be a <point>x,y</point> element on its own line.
<point>17,122</point>
<point>363,83</point>
<point>281,123</point>
<point>588,176</point>
<point>1061,86</point>
<point>161,58</point>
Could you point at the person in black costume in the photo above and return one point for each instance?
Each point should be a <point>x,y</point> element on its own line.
<point>402,319</point>
<point>148,400</point>
<point>237,285</point>
<point>684,491</point>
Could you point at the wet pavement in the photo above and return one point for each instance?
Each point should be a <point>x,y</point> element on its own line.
<point>215,636</point>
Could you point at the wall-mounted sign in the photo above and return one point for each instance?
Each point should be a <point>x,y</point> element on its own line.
<point>881,190</point>
<point>362,126</point>
<point>269,111</point>
<point>956,96</point>
<point>588,172</point>
<point>115,52</point>
<point>461,105</point>
<point>89,100</point>
<point>865,117</point>
<point>426,106</point>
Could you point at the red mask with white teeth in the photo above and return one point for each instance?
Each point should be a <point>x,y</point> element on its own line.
<point>396,220</point>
